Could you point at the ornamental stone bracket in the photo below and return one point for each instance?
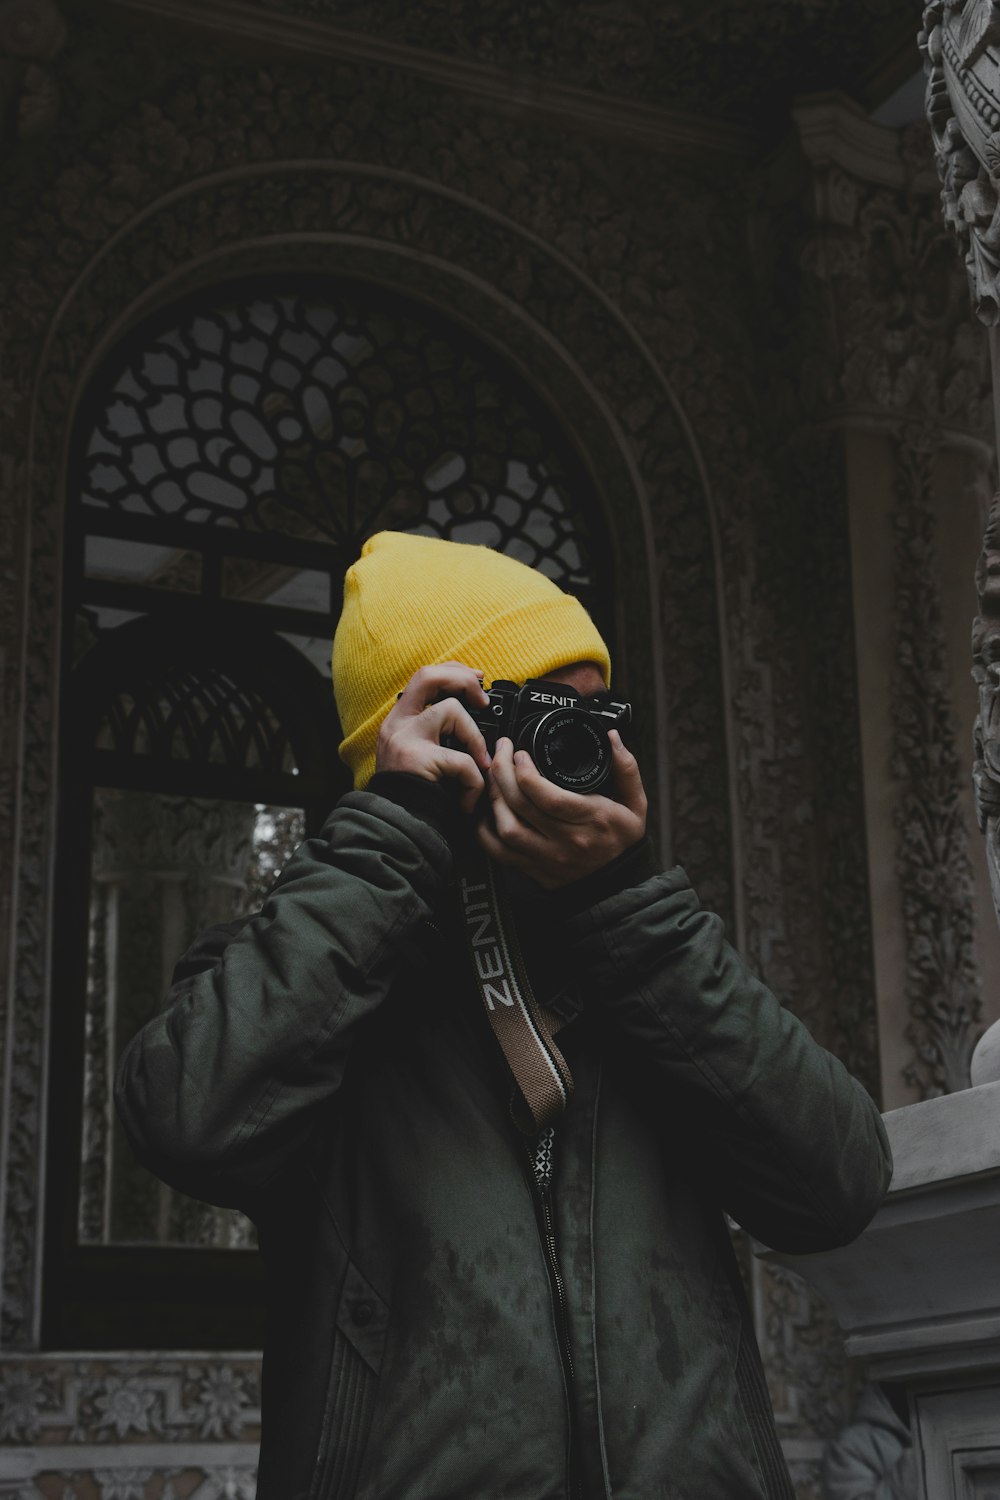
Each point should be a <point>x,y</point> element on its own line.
<point>963,108</point>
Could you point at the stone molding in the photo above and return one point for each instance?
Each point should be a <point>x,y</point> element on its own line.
<point>893,342</point>
<point>65,1399</point>
<point>112,1424</point>
<point>712,57</point>
<point>834,131</point>
<point>540,101</point>
<point>897,1308</point>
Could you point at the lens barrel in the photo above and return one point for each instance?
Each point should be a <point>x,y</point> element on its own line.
<point>570,749</point>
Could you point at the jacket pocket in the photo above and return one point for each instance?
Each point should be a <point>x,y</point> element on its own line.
<point>358,1346</point>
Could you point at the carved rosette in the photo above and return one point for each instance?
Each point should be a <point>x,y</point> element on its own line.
<point>99,1426</point>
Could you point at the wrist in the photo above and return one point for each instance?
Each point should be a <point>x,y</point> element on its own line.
<point>434,802</point>
<point>631,867</point>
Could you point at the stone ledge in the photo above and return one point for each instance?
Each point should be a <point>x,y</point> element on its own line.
<point>955,1136</point>
<point>917,1292</point>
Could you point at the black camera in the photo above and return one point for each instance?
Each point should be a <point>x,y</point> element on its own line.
<point>565,734</point>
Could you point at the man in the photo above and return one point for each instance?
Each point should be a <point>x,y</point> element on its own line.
<point>473,1292</point>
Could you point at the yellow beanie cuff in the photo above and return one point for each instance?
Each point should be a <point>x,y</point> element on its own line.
<point>413,601</point>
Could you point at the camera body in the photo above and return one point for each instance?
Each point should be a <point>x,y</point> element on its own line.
<point>565,733</point>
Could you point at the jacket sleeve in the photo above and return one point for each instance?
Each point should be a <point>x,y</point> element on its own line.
<point>778,1131</point>
<point>218,1090</point>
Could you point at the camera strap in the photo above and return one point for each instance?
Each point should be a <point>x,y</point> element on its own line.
<point>523,1027</point>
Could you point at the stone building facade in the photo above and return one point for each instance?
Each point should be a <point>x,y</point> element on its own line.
<point>683,240</point>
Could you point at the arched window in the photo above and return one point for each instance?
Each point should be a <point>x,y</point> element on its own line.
<point>230,458</point>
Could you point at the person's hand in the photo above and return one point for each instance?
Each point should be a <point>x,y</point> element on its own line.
<point>411,733</point>
<point>556,836</point>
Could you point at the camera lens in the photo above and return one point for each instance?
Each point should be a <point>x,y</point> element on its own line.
<point>570,750</point>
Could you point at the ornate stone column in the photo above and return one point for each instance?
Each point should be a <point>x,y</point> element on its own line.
<point>916,1294</point>
<point>898,371</point>
<point>959,41</point>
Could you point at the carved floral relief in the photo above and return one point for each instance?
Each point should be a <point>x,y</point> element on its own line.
<point>986,675</point>
<point>623,263</point>
<point>710,57</point>
<point>963,108</point>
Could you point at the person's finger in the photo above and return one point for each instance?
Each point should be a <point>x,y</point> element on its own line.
<point>506,781</point>
<point>460,768</point>
<point>627,777</point>
<point>429,683</point>
<point>510,827</point>
<point>544,799</point>
<point>450,717</point>
<point>502,853</point>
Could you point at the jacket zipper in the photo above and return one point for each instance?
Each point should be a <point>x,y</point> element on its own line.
<point>556,1278</point>
<point>557,1289</point>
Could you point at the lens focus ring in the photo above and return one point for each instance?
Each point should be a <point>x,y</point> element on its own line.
<point>570,749</point>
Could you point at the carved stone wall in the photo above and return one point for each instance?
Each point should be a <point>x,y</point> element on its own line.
<point>127,1428</point>
<point>898,362</point>
<point>866,334</point>
<point>123,238</point>
<point>934,855</point>
<point>712,58</point>
<point>616,282</point>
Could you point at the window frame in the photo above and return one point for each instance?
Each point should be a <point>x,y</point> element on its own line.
<point>120,1295</point>
<point>127,1296</point>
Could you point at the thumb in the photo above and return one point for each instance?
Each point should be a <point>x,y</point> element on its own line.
<point>627,777</point>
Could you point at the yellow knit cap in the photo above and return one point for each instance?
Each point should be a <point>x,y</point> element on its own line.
<point>413,601</point>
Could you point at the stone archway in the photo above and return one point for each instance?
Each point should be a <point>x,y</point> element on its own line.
<point>158,237</point>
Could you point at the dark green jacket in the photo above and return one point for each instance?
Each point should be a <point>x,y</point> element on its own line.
<point>328,1071</point>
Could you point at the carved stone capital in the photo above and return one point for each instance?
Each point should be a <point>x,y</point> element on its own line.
<point>884,283</point>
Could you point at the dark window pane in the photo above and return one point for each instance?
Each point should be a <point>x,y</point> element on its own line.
<point>163,868</point>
